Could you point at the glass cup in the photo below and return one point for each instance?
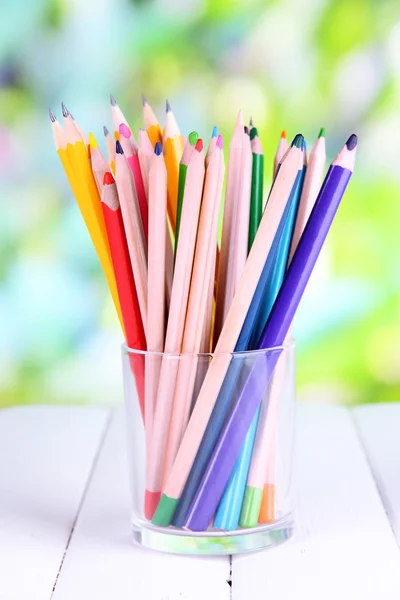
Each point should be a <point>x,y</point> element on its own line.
<point>236,494</point>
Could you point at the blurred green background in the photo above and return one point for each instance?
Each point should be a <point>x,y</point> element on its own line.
<point>293,64</point>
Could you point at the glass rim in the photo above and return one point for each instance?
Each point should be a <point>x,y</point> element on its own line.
<point>287,345</point>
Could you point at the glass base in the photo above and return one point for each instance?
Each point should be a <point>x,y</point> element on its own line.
<point>213,542</point>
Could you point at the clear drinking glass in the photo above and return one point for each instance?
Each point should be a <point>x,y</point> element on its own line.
<point>255,413</point>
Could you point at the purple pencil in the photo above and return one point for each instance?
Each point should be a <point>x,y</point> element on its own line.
<point>235,429</point>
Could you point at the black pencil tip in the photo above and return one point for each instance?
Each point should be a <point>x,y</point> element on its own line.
<point>246,129</point>
<point>144,100</point>
<point>65,110</point>
<point>168,106</point>
<point>53,117</point>
<point>298,141</point>
<point>352,142</point>
<point>112,100</point>
<point>118,147</point>
<point>105,130</point>
<point>251,122</point>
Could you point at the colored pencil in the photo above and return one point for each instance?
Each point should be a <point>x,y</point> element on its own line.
<point>135,337</point>
<point>75,161</point>
<point>212,144</point>
<point>175,328</point>
<point>151,123</point>
<point>197,303</point>
<point>259,504</point>
<point>145,154</point>
<point>228,513</point>
<point>98,161</point>
<point>281,150</point>
<point>235,229</point>
<point>227,340</point>
<point>110,145</point>
<point>117,116</point>
<point>257,182</point>
<point>231,382</point>
<point>173,150</point>
<point>130,149</point>
<point>133,228</point>
<point>311,186</point>
<point>187,153</point>
<point>156,279</point>
<point>235,429</point>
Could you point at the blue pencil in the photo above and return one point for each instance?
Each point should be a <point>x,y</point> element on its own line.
<point>228,513</point>
<point>230,385</point>
<point>233,435</point>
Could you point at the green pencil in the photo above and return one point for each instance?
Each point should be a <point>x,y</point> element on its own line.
<point>193,137</point>
<point>257,180</point>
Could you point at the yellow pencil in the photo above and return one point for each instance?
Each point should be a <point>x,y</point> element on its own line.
<point>75,161</point>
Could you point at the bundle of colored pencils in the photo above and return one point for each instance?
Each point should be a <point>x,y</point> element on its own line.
<point>152,210</point>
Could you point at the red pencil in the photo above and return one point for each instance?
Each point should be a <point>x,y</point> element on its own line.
<point>135,337</point>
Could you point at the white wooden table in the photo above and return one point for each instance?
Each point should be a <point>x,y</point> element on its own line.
<point>64,515</point>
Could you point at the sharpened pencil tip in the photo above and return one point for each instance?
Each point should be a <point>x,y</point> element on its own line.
<point>53,117</point>
<point>253,133</point>
<point>168,106</point>
<point>144,100</point>
<point>321,132</point>
<point>239,120</point>
<point>251,122</point>
<point>105,131</point>
<point>283,134</point>
<point>193,137</point>
<point>246,129</point>
<point>214,132</point>
<point>108,179</point>
<point>219,142</point>
<point>118,147</point>
<point>65,110</point>
<point>199,145</point>
<point>297,141</point>
<point>352,142</point>
<point>158,149</point>
<point>113,101</point>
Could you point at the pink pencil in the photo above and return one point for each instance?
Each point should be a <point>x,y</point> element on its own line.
<point>236,223</point>
<point>281,150</point>
<point>262,466</point>
<point>175,327</point>
<point>133,228</point>
<point>229,335</point>
<point>197,304</point>
<point>156,280</point>
<point>145,154</point>
<point>131,152</point>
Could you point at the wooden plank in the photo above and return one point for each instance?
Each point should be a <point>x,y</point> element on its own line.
<point>379,426</point>
<point>102,560</point>
<point>344,547</point>
<point>46,458</point>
